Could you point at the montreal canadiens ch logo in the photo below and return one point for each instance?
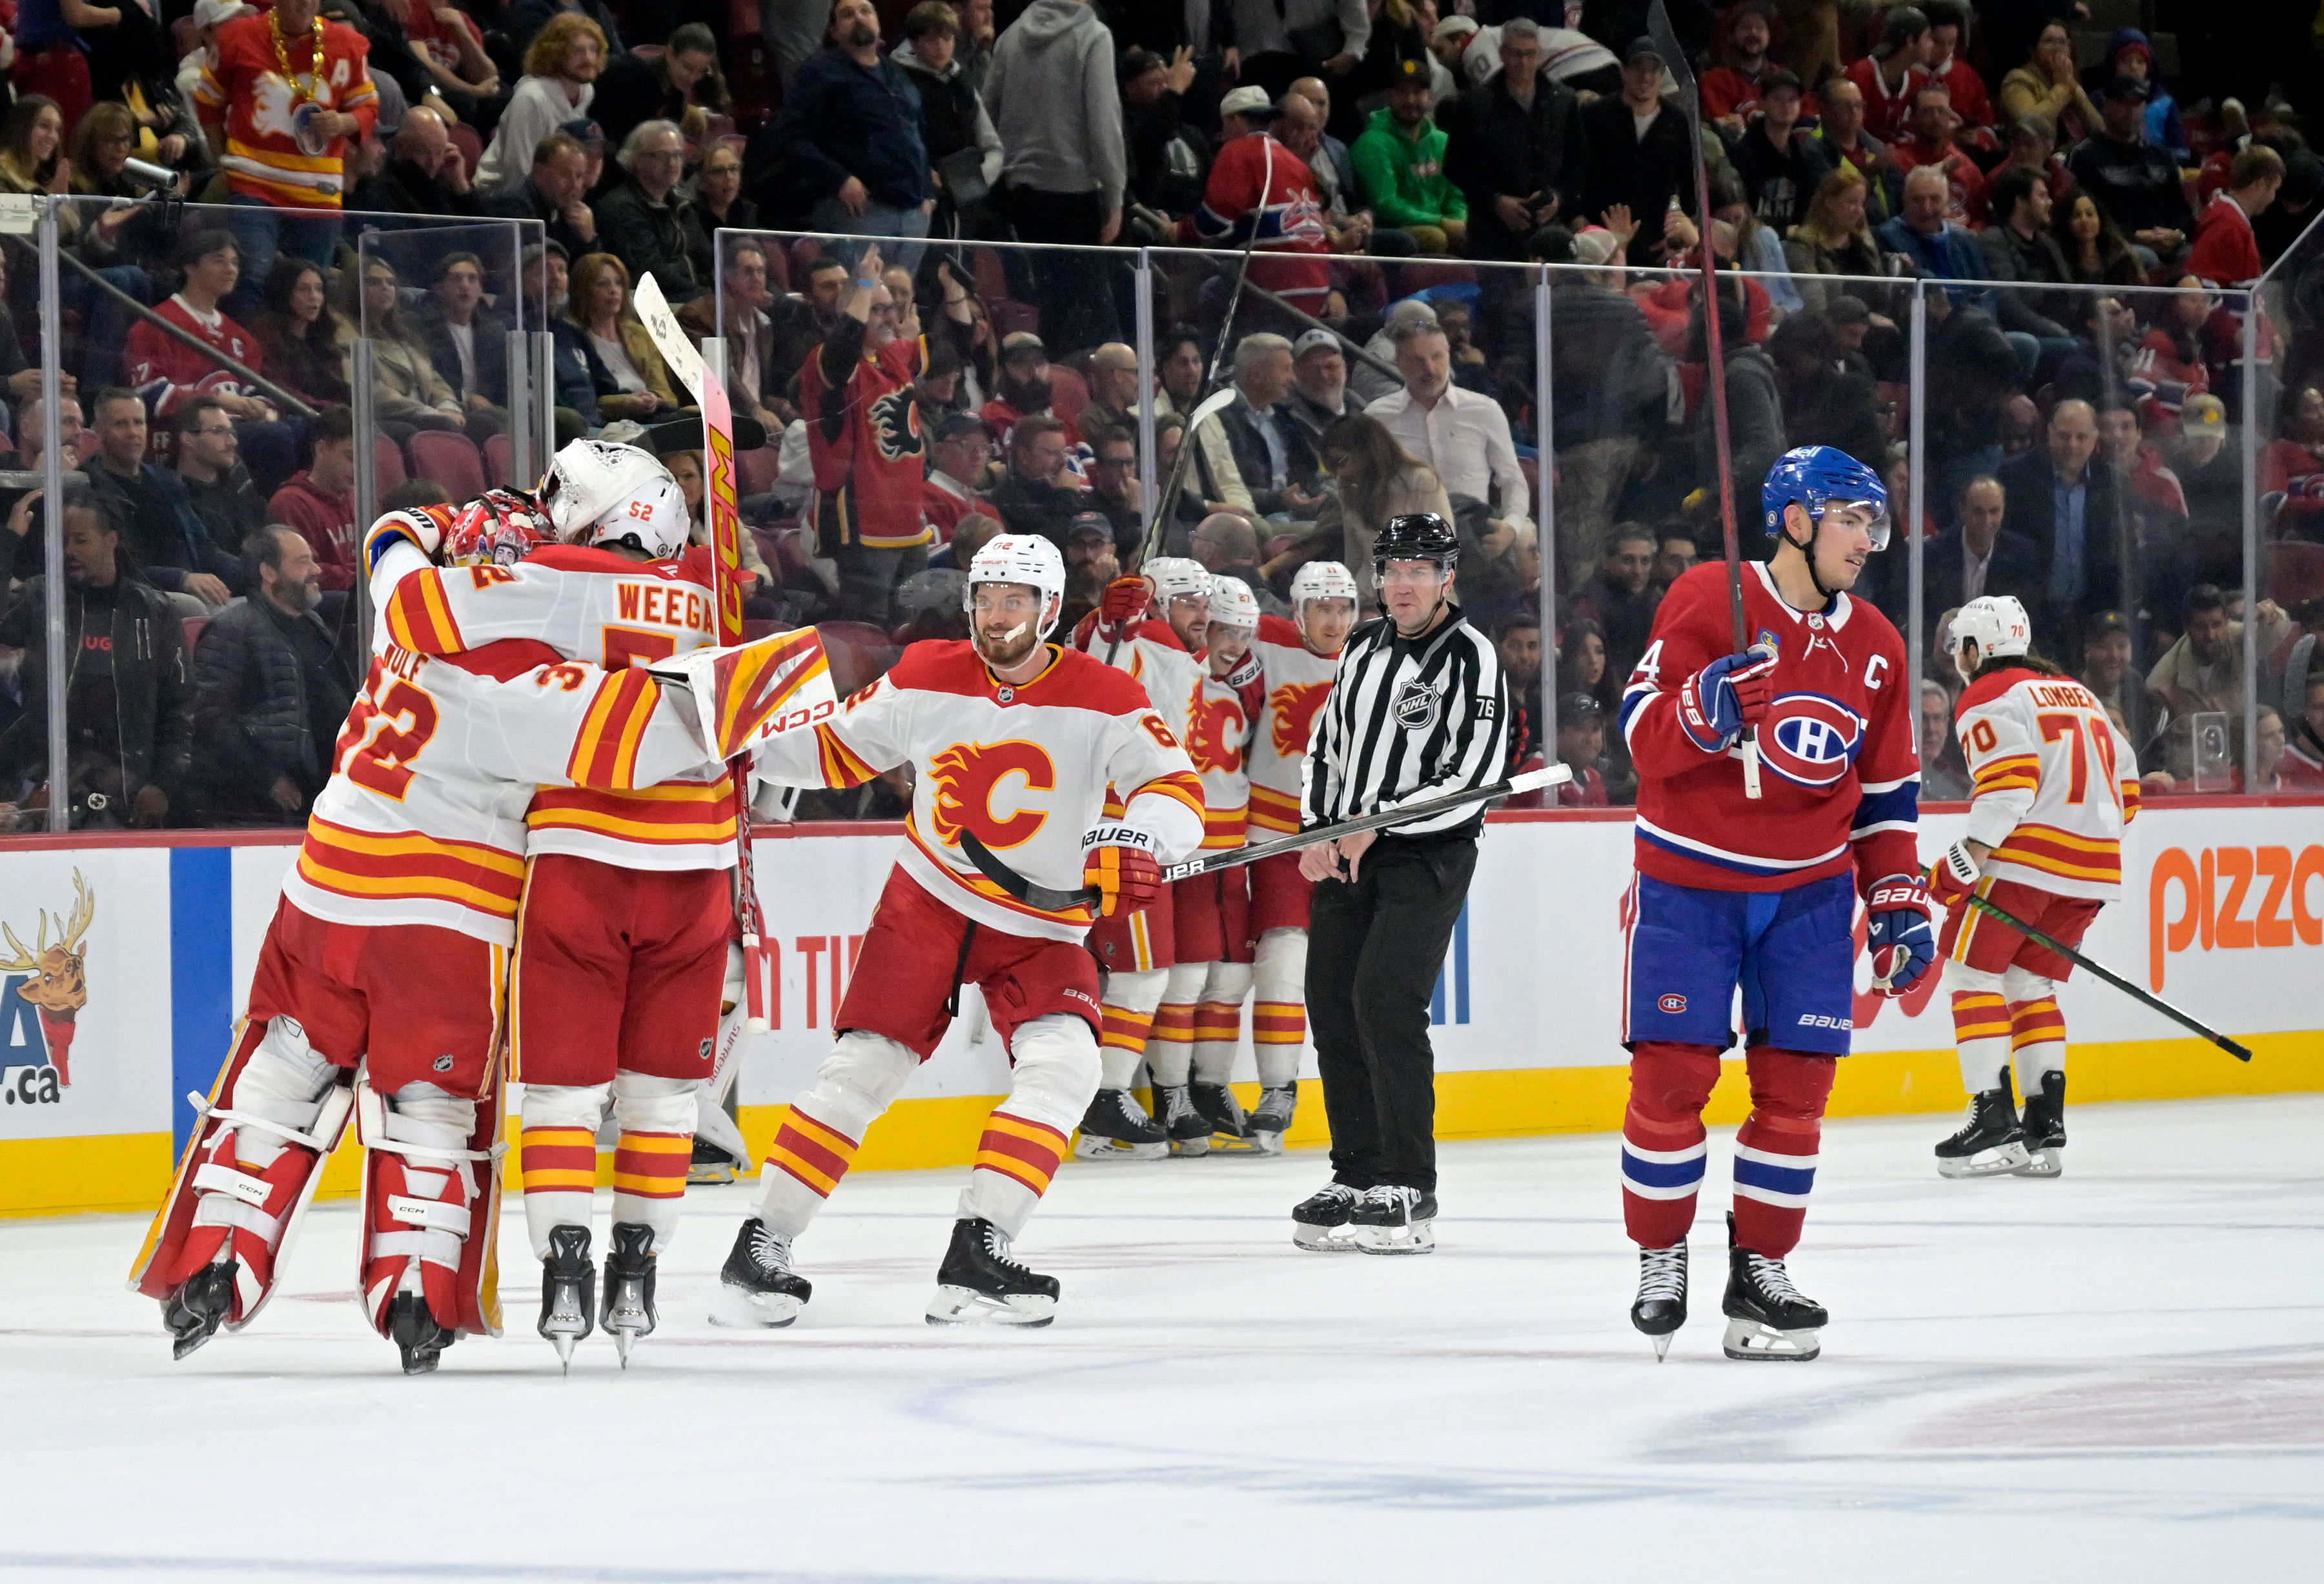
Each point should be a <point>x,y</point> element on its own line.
<point>1670,1001</point>
<point>1810,739</point>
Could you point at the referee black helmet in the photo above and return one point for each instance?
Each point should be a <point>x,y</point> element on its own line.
<point>1416,535</point>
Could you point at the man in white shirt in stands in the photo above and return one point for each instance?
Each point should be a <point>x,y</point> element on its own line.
<point>1463,435</point>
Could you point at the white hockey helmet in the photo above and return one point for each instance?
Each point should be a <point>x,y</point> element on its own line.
<point>1175,577</point>
<point>602,494</point>
<point>1021,557</point>
<point>1232,604</point>
<point>1997,624</point>
<point>1322,580</point>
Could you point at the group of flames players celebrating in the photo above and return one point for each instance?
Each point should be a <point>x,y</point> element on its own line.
<point>527,850</point>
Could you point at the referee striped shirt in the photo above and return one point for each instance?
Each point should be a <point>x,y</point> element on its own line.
<point>1410,718</point>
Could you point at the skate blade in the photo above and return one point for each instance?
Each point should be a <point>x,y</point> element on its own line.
<point>1089,1148</point>
<point>1323,1239</point>
<point>741,1310</point>
<point>624,1339</point>
<point>1235,1144</point>
<point>1662,1346</point>
<point>2043,1162</point>
<point>1414,1239</point>
<point>563,1342</point>
<point>1999,1162</point>
<point>707,1175</point>
<point>1267,1142</point>
<point>182,1345</point>
<point>421,1360</point>
<point>1189,1149</point>
<point>963,1306</point>
<point>1749,1339</point>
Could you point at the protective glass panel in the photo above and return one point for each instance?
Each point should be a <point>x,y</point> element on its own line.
<point>450,389</point>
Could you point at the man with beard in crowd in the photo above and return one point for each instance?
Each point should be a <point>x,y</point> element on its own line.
<point>1318,398</point>
<point>1620,596</point>
<point>1022,388</point>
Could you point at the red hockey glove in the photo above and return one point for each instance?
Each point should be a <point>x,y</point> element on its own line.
<point>1902,932</point>
<point>1954,876</point>
<point>1126,600</point>
<point>1118,862</point>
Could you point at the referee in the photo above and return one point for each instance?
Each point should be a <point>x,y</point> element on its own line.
<point>1418,710</point>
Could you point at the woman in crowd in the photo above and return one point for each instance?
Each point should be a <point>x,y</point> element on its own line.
<point>599,302</point>
<point>1836,239</point>
<point>717,191</point>
<point>684,86</point>
<point>301,334</point>
<point>32,147</point>
<point>558,85</point>
<point>1582,663</point>
<point>2298,448</point>
<point>686,467</point>
<point>1377,481</point>
<point>408,394</point>
<point>2097,253</point>
<point>2047,87</point>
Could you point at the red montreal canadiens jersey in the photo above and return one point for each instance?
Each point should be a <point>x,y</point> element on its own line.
<point>1257,182</point>
<point>1840,771</point>
<point>1297,680</point>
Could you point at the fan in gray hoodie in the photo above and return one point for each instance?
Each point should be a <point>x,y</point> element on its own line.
<point>1050,90</point>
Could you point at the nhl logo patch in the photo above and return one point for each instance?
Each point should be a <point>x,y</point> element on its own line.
<point>1416,706</point>
<point>706,1050</point>
<point>1007,696</point>
<point>443,1064</point>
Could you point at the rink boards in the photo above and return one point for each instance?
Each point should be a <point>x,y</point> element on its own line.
<point>2223,913</point>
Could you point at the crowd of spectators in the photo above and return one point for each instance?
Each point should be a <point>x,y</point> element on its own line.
<point>2090,194</point>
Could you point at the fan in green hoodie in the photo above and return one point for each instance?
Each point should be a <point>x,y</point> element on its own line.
<point>1400,162</point>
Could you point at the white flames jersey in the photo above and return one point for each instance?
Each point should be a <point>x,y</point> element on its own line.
<point>1220,712</point>
<point>2055,784</point>
<point>1296,680</point>
<point>598,607</point>
<point>1026,768</point>
<point>1152,653</point>
<point>423,819</point>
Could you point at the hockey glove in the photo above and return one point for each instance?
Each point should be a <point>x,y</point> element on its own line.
<point>1118,864</point>
<point>1726,695</point>
<point>1954,876</point>
<point>1125,601</point>
<point>1902,932</point>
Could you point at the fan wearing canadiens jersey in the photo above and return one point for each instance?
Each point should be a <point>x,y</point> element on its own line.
<point>1760,893</point>
<point>1261,196</point>
<point>1018,741</point>
<point>2055,786</point>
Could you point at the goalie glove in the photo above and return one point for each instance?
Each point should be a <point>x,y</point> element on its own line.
<point>1902,932</point>
<point>1118,862</point>
<point>1726,695</point>
<point>1954,876</point>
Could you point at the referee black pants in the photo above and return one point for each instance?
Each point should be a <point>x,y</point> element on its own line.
<point>1374,948</point>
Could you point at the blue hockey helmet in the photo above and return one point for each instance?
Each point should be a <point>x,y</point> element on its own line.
<point>1817,476</point>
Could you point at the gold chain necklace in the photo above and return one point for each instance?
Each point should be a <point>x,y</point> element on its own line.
<point>282,56</point>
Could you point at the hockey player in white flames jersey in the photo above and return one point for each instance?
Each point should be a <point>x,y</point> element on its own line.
<point>2055,786</point>
<point>1017,740</point>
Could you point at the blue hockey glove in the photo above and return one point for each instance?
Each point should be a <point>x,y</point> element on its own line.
<point>1902,935</point>
<point>1726,695</point>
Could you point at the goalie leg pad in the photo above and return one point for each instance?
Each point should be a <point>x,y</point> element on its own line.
<point>1130,998</point>
<point>1278,1014</point>
<point>1057,1077</point>
<point>712,1124</point>
<point>431,1199</point>
<point>657,1144</point>
<point>819,1136</point>
<point>1170,1049</point>
<point>559,1158</point>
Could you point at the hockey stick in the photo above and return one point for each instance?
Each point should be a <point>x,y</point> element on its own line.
<point>1054,902</point>
<point>2241,1052</point>
<point>1658,24</point>
<point>727,556</point>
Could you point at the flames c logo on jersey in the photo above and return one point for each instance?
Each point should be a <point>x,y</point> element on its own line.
<point>1214,731</point>
<point>968,775</point>
<point>895,420</point>
<point>1294,705</point>
<point>1810,739</point>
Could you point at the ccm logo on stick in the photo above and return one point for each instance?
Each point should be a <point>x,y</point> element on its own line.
<point>2234,898</point>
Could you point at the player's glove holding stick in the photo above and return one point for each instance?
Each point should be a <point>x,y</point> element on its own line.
<point>1118,861</point>
<point>1124,602</point>
<point>1731,693</point>
<point>1953,877</point>
<point>1902,932</point>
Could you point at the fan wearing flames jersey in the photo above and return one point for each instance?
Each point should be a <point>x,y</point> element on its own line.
<point>1017,740</point>
<point>623,935</point>
<point>1761,892</point>
<point>1137,950</point>
<point>865,440</point>
<point>2055,786</point>
<point>386,962</point>
<point>1297,660</point>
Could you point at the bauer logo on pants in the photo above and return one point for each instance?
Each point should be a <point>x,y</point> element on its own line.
<point>41,1000</point>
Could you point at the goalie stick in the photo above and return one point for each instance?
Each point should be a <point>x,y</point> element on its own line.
<point>1050,900</point>
<point>2241,1052</point>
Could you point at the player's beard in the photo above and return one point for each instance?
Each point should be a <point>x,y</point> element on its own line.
<point>1010,648</point>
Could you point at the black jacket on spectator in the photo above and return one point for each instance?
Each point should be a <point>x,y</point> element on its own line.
<point>1841,409</point>
<point>2030,511</point>
<point>2137,183</point>
<point>159,528</point>
<point>229,508</point>
<point>525,19</point>
<point>524,202</point>
<point>664,240</point>
<point>489,334</point>
<point>2011,257</point>
<point>1498,148</point>
<point>1779,184</point>
<point>631,90</point>
<point>1249,448</point>
<point>1609,377</point>
<point>1627,619</point>
<point>2017,567</point>
<point>402,188</point>
<point>1027,505</point>
<point>1643,174</point>
<point>577,370</point>
<point>1172,185</point>
<point>139,720</point>
<point>270,692</point>
<point>1755,427</point>
<point>839,120</point>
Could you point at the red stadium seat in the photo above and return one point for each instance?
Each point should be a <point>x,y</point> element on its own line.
<point>471,146</point>
<point>451,460</point>
<point>1009,318</point>
<point>757,471</point>
<point>991,279</point>
<point>500,451</point>
<point>2295,572</point>
<point>1068,392</point>
<point>194,627</point>
<point>387,461</point>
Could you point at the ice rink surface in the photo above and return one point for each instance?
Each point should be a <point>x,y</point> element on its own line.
<point>2117,1375</point>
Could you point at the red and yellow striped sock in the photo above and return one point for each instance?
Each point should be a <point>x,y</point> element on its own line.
<point>1218,1030</point>
<point>1014,1161</point>
<point>1121,1043</point>
<point>560,1172</point>
<point>2037,1038</point>
<point>649,1181</point>
<point>1278,1030</point>
<point>813,1155</point>
<point>1170,1048</point>
<point>1981,1031</point>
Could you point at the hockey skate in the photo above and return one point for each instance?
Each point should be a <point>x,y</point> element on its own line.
<point>1229,1124</point>
<point>1660,1307</point>
<point>1319,1223</point>
<point>1188,1131</point>
<point>710,1166</point>
<point>628,1311</point>
<point>417,1335</point>
<point>567,1278</point>
<point>980,1284</point>
<point>1990,1143</point>
<point>1270,1120</point>
<point>1117,1129</point>
<point>2045,1129</point>
<point>194,1312</point>
<point>1766,1318</point>
<point>757,1286</point>
<point>1395,1220</point>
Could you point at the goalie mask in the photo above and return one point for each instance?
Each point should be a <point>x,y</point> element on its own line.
<point>598,494</point>
<point>1020,558</point>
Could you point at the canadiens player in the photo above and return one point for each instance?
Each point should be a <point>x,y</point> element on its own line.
<point>1762,893</point>
<point>1297,660</point>
<point>380,984</point>
<point>1138,949</point>
<point>1018,739</point>
<point>623,937</point>
<point>2055,784</point>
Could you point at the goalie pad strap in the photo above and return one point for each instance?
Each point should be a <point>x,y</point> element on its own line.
<point>216,1209</point>
<point>241,1119</point>
<point>243,1186</point>
<point>433,1214</point>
